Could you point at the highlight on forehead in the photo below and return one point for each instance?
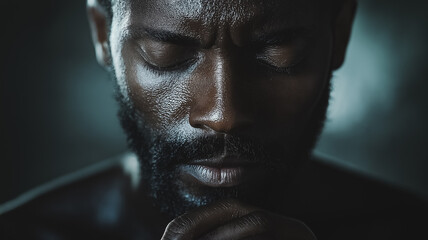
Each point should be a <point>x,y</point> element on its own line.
<point>195,5</point>
<point>221,10</point>
<point>210,11</point>
<point>204,11</point>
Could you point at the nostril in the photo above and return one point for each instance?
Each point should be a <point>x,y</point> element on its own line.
<point>220,123</point>
<point>196,125</point>
<point>197,120</point>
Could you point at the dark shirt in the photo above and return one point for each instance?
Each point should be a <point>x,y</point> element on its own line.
<point>101,202</point>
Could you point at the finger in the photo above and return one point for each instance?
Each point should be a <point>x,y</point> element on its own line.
<point>203,219</point>
<point>248,226</point>
<point>261,225</point>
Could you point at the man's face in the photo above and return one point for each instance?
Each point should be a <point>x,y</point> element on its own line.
<point>220,98</point>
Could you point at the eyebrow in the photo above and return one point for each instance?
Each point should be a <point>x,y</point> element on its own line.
<point>281,36</point>
<point>259,40</point>
<point>165,36</point>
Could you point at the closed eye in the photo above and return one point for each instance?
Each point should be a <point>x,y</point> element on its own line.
<point>175,67</point>
<point>289,69</point>
<point>163,56</point>
<point>282,58</point>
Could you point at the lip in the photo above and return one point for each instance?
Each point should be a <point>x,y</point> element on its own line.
<point>222,162</point>
<point>219,172</point>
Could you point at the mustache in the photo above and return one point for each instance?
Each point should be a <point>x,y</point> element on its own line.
<point>159,151</point>
<point>183,151</point>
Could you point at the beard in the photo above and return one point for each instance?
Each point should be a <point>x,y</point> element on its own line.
<point>159,156</point>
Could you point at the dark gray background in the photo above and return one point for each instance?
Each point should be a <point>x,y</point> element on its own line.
<point>58,114</point>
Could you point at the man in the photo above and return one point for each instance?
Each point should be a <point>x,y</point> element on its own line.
<point>222,102</point>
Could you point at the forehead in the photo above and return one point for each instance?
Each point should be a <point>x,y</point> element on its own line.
<point>212,14</point>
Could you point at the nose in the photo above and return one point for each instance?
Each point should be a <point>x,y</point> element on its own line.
<point>220,105</point>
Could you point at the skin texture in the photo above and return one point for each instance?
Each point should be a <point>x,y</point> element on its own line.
<point>247,80</point>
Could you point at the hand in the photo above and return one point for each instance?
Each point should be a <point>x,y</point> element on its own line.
<point>230,219</point>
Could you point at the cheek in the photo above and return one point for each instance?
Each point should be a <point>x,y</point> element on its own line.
<point>160,99</point>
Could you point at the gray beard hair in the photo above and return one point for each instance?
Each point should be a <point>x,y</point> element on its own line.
<point>158,158</point>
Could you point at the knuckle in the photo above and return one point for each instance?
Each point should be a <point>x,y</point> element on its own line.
<point>234,207</point>
<point>177,228</point>
<point>261,216</point>
<point>259,219</point>
<point>229,203</point>
<point>179,224</point>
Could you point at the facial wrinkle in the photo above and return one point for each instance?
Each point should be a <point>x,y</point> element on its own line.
<point>216,13</point>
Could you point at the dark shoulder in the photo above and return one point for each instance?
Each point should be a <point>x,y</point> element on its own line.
<point>84,201</point>
<point>338,201</point>
<point>352,189</point>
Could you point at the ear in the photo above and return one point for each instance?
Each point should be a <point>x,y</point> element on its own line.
<point>342,27</point>
<point>98,21</point>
